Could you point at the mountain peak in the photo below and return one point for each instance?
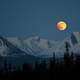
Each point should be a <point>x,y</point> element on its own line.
<point>37,38</point>
<point>75,38</point>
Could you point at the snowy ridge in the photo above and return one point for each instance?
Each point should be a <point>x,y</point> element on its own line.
<point>36,46</point>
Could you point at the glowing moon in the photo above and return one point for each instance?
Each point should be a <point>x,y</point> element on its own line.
<point>61,26</point>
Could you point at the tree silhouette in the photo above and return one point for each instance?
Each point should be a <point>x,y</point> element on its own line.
<point>5,66</point>
<point>67,54</point>
<point>67,47</point>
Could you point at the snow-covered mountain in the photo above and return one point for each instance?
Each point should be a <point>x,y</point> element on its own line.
<point>36,46</point>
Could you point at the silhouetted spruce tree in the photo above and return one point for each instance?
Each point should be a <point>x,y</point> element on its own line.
<point>52,67</point>
<point>5,66</point>
<point>25,68</point>
<point>53,58</point>
<point>72,58</point>
<point>44,65</point>
<point>67,47</point>
<point>36,66</point>
<point>77,59</point>
<point>66,54</point>
<point>52,62</point>
<point>0,61</point>
<point>9,67</point>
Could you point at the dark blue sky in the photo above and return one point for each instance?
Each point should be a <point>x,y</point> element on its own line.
<point>38,17</point>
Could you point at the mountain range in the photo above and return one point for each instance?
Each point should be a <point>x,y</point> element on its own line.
<point>33,48</point>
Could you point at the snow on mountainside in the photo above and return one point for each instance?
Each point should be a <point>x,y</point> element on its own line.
<point>8,49</point>
<point>37,46</point>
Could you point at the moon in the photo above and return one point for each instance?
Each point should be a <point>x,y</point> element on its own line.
<point>61,25</point>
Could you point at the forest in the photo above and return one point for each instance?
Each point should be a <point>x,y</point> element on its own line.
<point>69,69</point>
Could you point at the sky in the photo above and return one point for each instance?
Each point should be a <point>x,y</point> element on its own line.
<point>26,18</point>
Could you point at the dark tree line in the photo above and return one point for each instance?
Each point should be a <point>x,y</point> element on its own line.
<point>69,69</point>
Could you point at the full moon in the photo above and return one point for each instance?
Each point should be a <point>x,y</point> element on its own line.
<point>61,25</point>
